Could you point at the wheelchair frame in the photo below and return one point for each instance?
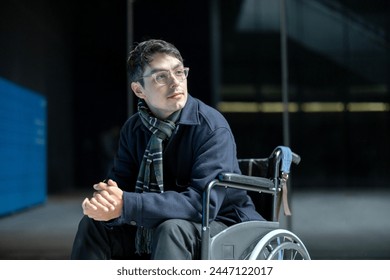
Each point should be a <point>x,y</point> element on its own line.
<point>263,239</point>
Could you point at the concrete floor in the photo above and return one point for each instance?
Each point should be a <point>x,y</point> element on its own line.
<point>344,224</point>
<point>332,225</point>
<point>42,232</point>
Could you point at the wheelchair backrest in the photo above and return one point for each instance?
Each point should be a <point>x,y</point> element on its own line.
<point>260,167</point>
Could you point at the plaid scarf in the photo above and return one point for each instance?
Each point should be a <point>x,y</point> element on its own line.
<point>150,175</point>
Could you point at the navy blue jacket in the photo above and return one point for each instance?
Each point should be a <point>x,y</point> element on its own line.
<point>201,147</point>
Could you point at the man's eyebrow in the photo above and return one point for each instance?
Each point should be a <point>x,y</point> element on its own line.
<point>155,70</point>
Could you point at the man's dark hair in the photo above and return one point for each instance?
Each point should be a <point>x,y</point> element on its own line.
<point>142,55</point>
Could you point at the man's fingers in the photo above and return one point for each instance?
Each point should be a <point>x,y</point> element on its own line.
<point>87,205</point>
<point>112,183</point>
<point>98,204</point>
<point>104,202</point>
<point>100,186</point>
<point>105,197</point>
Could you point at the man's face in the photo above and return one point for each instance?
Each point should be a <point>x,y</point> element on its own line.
<point>163,100</point>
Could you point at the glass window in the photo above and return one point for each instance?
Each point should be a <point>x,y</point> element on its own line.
<point>338,86</point>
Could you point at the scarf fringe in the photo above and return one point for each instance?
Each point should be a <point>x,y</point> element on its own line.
<point>144,240</point>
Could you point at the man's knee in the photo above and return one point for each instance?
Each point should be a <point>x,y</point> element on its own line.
<point>176,228</point>
<point>176,238</point>
<point>85,223</point>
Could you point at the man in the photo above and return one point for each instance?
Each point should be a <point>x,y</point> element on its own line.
<point>151,204</point>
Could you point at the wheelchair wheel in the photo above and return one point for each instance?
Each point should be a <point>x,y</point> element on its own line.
<point>280,244</point>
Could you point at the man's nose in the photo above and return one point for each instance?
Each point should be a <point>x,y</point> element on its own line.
<point>175,80</point>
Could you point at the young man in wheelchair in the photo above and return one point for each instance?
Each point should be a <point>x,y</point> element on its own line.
<point>150,206</point>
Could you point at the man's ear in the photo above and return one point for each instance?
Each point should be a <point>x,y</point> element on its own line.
<point>137,89</point>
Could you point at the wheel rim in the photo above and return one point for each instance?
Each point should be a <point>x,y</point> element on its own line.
<point>280,245</point>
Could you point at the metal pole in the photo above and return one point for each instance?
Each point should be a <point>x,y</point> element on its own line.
<point>215,51</point>
<point>284,59</point>
<point>129,42</point>
<point>284,66</point>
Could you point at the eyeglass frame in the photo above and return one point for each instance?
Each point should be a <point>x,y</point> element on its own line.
<point>154,72</point>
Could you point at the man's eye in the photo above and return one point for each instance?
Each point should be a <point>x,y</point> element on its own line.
<point>179,72</point>
<point>161,76</point>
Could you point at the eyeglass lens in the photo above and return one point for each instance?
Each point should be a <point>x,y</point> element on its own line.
<point>164,77</point>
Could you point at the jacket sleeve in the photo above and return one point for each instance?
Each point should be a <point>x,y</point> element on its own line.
<point>214,153</point>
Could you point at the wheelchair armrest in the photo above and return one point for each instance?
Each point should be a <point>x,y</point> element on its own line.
<point>247,180</point>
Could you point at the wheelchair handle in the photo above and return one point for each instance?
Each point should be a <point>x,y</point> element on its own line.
<point>277,154</point>
<point>296,158</point>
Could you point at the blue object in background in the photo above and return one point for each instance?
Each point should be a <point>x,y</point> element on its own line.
<point>22,148</point>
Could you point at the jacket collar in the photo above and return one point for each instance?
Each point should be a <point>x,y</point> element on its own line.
<point>190,112</point>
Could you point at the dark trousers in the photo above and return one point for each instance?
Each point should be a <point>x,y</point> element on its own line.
<point>173,239</point>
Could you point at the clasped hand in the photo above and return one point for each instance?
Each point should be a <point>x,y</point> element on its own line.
<point>106,202</point>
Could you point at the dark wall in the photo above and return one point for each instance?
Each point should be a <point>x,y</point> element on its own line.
<point>100,68</point>
<point>36,52</point>
<point>99,43</point>
<point>73,53</point>
<point>186,24</point>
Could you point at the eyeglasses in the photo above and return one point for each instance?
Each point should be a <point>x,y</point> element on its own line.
<point>164,77</point>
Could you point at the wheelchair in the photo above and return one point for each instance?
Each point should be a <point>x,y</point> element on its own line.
<point>255,240</point>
